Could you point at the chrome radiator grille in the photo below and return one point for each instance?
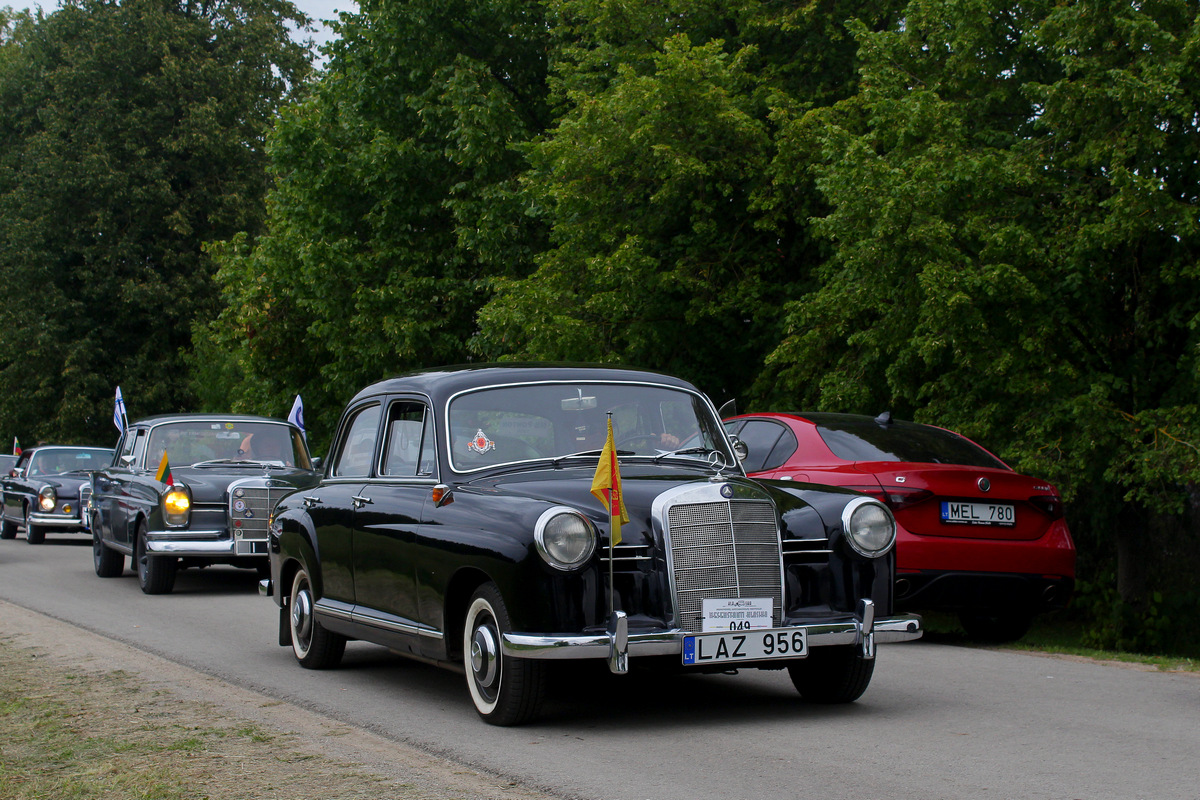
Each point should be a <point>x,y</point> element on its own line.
<point>723,549</point>
<point>250,506</point>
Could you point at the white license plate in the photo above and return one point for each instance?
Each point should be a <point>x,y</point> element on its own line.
<point>979,513</point>
<point>756,645</point>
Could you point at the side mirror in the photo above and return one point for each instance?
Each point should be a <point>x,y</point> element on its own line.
<point>318,464</point>
<point>127,460</point>
<point>739,448</point>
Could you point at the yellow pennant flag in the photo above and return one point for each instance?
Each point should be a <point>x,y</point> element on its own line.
<point>164,472</point>
<point>607,487</point>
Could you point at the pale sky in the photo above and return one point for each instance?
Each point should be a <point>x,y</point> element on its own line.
<point>317,9</point>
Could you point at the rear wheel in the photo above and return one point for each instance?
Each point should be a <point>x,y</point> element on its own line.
<point>8,529</point>
<point>996,627</point>
<point>34,534</point>
<point>832,675</point>
<point>505,690</point>
<point>156,574</point>
<point>314,647</point>
<point>108,563</point>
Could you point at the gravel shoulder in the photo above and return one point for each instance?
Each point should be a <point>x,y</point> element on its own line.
<point>236,743</point>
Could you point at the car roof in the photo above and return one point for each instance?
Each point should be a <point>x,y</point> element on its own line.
<point>161,418</point>
<point>444,382</point>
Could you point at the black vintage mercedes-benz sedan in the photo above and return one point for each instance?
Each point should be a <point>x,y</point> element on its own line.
<point>191,490</point>
<point>48,491</point>
<point>462,520</point>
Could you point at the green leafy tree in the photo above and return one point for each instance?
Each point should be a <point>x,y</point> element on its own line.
<point>395,200</point>
<point>671,246</point>
<point>1014,217</point>
<point>131,133</point>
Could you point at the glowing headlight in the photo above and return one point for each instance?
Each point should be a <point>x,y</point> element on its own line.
<point>47,497</point>
<point>565,539</point>
<point>870,528</point>
<point>176,505</point>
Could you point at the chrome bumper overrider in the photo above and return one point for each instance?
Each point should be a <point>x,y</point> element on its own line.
<point>617,644</point>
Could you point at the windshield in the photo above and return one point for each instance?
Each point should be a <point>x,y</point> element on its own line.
<point>552,420</point>
<point>193,442</point>
<point>56,462</point>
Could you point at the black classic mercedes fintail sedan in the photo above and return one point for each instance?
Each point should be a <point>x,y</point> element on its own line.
<point>466,518</point>
<point>193,490</point>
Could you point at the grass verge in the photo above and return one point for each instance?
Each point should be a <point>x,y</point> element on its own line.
<point>80,735</point>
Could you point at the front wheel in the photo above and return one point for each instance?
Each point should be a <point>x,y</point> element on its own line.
<point>831,675</point>
<point>313,646</point>
<point>34,534</point>
<point>108,562</point>
<point>156,574</point>
<point>505,690</point>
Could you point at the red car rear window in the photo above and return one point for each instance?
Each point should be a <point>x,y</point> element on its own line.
<point>866,440</point>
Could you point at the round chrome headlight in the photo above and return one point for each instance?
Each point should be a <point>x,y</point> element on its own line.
<point>870,527</point>
<point>565,538</point>
<point>177,505</point>
<point>47,497</point>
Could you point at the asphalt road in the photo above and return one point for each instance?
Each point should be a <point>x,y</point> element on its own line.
<point>937,722</point>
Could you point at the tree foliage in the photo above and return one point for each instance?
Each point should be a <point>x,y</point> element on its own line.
<point>1014,220</point>
<point>671,248</point>
<point>130,134</point>
<point>395,200</point>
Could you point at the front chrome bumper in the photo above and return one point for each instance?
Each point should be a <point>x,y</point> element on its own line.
<point>617,644</point>
<point>202,544</point>
<point>57,520</point>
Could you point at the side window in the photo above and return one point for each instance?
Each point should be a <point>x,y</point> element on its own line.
<point>406,451</point>
<point>760,437</point>
<point>358,444</point>
<point>134,445</point>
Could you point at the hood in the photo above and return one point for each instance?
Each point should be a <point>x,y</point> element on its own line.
<point>210,485</point>
<point>572,487</point>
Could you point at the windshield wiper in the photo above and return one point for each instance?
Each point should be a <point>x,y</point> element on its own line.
<point>247,462</point>
<point>583,453</point>
<point>686,451</point>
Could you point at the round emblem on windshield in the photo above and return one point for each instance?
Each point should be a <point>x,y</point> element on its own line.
<point>984,484</point>
<point>726,491</point>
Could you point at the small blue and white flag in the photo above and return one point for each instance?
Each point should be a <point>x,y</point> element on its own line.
<point>296,417</point>
<point>119,418</point>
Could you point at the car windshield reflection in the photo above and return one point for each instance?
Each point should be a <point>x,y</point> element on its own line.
<point>195,443</point>
<point>511,424</point>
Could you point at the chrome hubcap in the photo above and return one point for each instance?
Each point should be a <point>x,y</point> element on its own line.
<point>302,616</point>
<point>484,656</point>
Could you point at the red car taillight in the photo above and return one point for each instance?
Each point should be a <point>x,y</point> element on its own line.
<point>895,498</point>
<point>1049,504</point>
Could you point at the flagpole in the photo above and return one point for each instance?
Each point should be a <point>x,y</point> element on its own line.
<point>614,519</point>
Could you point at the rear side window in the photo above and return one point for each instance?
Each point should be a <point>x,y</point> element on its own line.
<point>855,440</point>
<point>408,451</point>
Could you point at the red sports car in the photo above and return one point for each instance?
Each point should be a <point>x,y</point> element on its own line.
<point>974,537</point>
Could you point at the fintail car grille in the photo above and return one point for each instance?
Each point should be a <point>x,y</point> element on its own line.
<point>250,506</point>
<point>723,549</point>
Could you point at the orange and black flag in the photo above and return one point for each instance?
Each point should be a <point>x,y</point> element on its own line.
<point>164,471</point>
<point>607,487</point>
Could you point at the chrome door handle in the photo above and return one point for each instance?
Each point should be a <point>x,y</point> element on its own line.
<point>359,502</point>
<point>311,500</point>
